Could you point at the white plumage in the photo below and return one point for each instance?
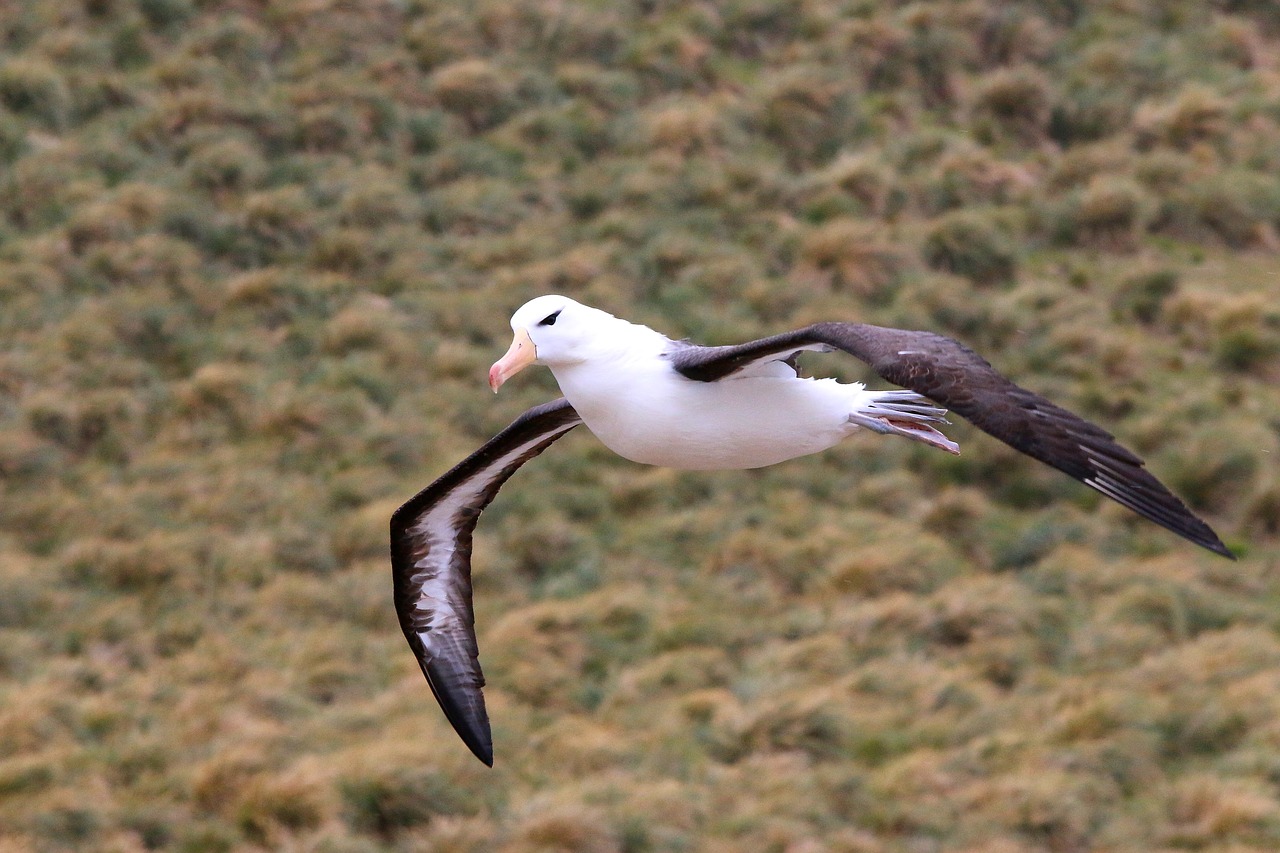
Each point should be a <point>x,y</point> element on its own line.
<point>619,378</point>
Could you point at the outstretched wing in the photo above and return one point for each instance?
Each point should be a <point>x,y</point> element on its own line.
<point>431,565</point>
<point>956,377</point>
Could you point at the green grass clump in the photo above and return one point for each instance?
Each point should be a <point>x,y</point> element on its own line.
<point>1198,115</point>
<point>1142,296</point>
<point>1110,214</point>
<point>970,245</point>
<point>856,257</point>
<point>474,90</point>
<point>390,803</point>
<point>166,13</point>
<point>1011,102</point>
<point>34,88</point>
<point>255,262</point>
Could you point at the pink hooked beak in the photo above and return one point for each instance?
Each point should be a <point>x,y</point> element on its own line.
<point>520,356</point>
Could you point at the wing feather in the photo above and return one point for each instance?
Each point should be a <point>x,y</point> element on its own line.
<point>431,566</point>
<point>954,376</point>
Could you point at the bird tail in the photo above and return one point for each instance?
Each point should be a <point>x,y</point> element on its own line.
<point>904,413</point>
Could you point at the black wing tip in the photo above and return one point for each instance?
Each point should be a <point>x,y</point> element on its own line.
<point>1217,547</point>
<point>1202,535</point>
<point>477,737</point>
<point>471,724</point>
<point>474,730</point>
<point>1187,525</point>
<point>475,733</point>
<point>1173,516</point>
<point>484,753</point>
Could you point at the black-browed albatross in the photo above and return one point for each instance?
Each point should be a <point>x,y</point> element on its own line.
<point>663,402</point>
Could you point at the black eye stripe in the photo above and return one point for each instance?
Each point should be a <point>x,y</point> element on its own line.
<point>550,319</point>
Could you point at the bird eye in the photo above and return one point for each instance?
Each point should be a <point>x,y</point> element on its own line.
<point>549,320</point>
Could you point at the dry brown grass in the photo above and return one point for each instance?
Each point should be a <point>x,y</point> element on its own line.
<point>254,263</point>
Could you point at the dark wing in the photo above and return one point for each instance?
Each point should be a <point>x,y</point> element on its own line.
<point>431,565</point>
<point>956,377</point>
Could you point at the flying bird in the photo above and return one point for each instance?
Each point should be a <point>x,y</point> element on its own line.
<point>658,401</point>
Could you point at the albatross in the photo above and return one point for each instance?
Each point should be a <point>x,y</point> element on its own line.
<point>664,402</point>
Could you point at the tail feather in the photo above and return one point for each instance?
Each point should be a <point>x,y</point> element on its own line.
<point>907,414</point>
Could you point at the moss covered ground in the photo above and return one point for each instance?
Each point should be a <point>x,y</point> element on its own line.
<point>257,255</point>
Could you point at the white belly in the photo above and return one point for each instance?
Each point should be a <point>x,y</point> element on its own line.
<point>663,419</point>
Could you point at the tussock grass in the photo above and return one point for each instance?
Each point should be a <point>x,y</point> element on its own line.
<point>856,259</point>
<point>255,262</point>
<point>34,87</point>
<point>1011,102</point>
<point>969,244</point>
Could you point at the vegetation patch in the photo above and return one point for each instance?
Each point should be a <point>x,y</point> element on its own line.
<point>256,258</point>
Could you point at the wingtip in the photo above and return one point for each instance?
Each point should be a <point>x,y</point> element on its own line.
<point>1223,551</point>
<point>476,735</point>
<point>1204,536</point>
<point>466,712</point>
<point>480,743</point>
<point>1201,534</point>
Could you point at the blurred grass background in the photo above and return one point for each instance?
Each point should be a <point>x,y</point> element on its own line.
<point>256,256</point>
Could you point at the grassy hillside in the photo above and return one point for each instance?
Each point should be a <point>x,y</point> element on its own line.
<point>256,257</point>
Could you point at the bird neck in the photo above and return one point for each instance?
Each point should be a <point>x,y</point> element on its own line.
<point>613,341</point>
<point>619,355</point>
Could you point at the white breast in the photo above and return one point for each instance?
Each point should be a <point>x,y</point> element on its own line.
<point>643,410</point>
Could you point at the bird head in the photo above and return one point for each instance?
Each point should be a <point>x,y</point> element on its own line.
<point>551,330</point>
